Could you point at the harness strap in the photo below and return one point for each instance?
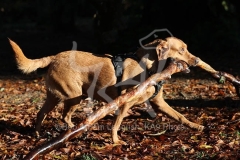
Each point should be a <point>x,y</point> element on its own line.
<point>118,65</point>
<point>158,87</point>
<point>118,60</point>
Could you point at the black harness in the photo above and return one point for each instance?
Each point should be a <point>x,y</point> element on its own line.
<point>118,60</point>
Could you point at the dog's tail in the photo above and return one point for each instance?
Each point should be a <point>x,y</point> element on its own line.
<point>29,65</point>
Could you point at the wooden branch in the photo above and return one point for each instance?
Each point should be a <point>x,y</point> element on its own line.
<point>221,76</point>
<point>131,96</point>
<point>227,76</point>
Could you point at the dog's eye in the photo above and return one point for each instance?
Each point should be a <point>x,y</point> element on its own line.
<point>182,50</point>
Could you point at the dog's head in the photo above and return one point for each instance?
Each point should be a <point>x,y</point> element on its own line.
<point>174,48</point>
<point>153,54</point>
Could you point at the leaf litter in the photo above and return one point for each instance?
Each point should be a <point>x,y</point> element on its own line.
<point>216,106</point>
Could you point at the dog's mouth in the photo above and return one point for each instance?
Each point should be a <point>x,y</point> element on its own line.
<point>193,63</point>
<point>186,69</point>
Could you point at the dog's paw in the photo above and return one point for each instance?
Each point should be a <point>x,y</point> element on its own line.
<point>201,128</point>
<point>120,142</point>
<point>37,135</point>
<point>70,125</point>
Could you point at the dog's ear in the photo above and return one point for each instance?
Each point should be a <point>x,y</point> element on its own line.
<point>161,49</point>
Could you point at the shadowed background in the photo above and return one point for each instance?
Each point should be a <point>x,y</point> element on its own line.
<point>41,27</point>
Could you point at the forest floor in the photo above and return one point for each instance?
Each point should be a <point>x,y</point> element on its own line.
<point>203,101</point>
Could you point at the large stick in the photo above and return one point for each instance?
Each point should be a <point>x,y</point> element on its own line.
<point>131,96</point>
<point>222,76</point>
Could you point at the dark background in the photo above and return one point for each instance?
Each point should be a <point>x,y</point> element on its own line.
<point>42,27</point>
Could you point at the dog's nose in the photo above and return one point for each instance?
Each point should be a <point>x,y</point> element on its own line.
<point>196,61</point>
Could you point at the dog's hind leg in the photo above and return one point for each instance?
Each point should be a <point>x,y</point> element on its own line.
<point>49,104</point>
<point>70,105</point>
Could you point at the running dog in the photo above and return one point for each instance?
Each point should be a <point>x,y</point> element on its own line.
<point>72,74</point>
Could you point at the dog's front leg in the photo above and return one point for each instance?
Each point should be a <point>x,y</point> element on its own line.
<point>122,113</point>
<point>159,103</point>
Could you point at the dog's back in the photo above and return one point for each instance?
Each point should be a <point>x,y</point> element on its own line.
<point>77,72</point>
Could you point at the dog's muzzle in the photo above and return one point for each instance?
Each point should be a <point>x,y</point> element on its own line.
<point>195,62</point>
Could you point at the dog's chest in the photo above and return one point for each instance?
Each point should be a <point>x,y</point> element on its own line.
<point>118,62</point>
